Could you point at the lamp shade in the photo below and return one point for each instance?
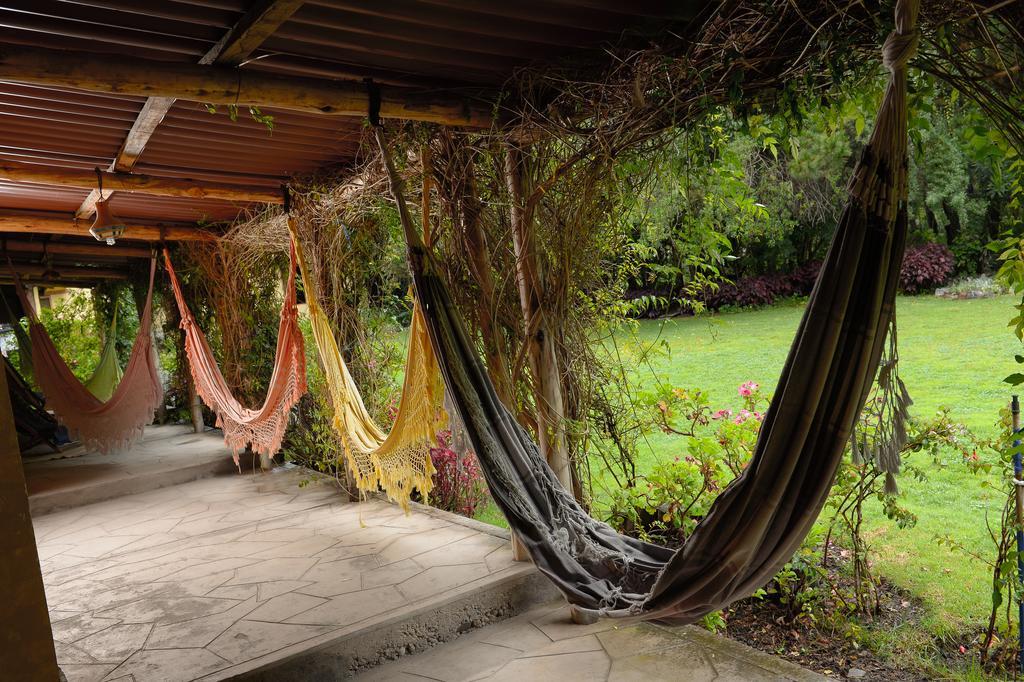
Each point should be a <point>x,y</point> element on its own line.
<point>106,227</point>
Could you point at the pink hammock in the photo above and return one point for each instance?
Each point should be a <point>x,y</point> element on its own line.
<point>262,428</point>
<point>108,425</point>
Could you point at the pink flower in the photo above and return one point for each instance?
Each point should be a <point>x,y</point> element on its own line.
<point>722,414</point>
<point>747,389</point>
<point>743,416</point>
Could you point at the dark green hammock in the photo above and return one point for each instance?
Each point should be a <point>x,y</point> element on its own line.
<point>758,522</point>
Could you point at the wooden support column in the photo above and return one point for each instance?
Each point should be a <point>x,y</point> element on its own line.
<point>541,349</point>
<point>26,641</point>
<point>196,408</point>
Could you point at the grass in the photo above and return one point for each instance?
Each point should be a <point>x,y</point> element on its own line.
<point>953,353</point>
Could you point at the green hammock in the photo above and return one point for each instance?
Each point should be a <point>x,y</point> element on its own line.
<point>107,374</point>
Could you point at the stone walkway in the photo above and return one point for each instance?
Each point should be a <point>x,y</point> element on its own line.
<point>543,645</point>
<point>220,576</point>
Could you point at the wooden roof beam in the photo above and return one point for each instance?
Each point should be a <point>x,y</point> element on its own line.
<point>67,272</point>
<point>34,281</point>
<point>255,26</point>
<point>237,44</point>
<point>222,85</point>
<point>45,222</point>
<point>16,171</point>
<point>71,249</point>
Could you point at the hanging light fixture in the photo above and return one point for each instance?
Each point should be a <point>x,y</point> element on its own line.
<point>106,227</point>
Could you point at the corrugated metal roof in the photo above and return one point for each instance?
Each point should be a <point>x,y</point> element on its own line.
<point>421,44</point>
<point>193,138</point>
<point>33,197</point>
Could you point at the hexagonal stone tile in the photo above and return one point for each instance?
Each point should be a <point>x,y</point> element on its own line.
<point>248,639</point>
<point>590,665</point>
<point>115,643</point>
<point>169,665</point>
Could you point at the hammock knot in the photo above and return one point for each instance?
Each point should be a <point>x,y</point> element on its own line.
<point>899,49</point>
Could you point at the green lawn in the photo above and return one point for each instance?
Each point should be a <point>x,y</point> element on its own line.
<point>953,353</point>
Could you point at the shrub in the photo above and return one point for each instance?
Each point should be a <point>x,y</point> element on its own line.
<point>804,277</point>
<point>751,292</point>
<point>458,484</point>
<point>666,504</point>
<point>764,290</point>
<point>926,267</point>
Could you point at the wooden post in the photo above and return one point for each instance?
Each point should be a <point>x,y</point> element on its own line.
<point>541,347</point>
<point>26,641</point>
<point>196,408</point>
<point>519,552</point>
<point>1018,474</point>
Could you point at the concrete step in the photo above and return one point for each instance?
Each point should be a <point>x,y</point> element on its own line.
<point>544,644</point>
<point>368,645</point>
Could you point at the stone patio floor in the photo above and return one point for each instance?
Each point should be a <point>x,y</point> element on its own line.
<point>211,578</point>
<point>250,574</point>
<point>166,455</point>
<point>543,645</point>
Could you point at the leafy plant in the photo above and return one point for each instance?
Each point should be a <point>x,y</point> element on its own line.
<point>666,504</point>
<point>926,267</point>
<point>458,483</point>
<point>994,457</point>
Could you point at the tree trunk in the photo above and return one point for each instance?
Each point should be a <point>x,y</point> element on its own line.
<point>933,222</point>
<point>495,348</point>
<point>540,343</point>
<point>952,223</point>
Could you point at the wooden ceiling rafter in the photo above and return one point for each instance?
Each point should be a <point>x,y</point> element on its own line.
<point>32,281</point>
<point>114,181</point>
<point>56,223</point>
<point>65,272</point>
<point>236,46</point>
<point>71,249</point>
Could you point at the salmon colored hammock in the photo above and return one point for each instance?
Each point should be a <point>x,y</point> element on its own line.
<point>399,461</point>
<point>104,425</point>
<point>262,428</point>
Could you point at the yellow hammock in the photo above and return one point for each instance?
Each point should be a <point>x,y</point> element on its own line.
<point>398,461</point>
